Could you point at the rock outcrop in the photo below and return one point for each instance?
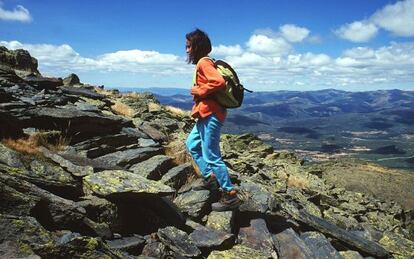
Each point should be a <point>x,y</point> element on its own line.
<point>88,173</point>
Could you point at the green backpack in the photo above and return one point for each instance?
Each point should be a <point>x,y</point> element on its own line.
<point>232,95</point>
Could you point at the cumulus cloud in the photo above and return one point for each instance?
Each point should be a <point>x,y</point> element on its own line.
<point>360,31</point>
<point>19,14</point>
<point>222,50</point>
<point>137,56</point>
<point>294,33</point>
<point>56,58</point>
<point>273,46</point>
<point>390,65</point>
<point>397,18</point>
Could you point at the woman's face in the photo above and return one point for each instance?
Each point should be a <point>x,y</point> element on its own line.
<point>188,48</point>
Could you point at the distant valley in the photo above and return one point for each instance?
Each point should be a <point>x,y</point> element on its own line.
<point>376,125</point>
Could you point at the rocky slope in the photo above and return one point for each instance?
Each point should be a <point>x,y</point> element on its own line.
<point>88,173</point>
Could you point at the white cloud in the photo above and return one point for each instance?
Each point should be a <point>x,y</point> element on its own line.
<point>359,52</point>
<point>248,59</point>
<point>264,44</point>
<point>137,56</point>
<point>397,18</point>
<point>359,31</point>
<point>222,50</point>
<point>294,33</point>
<point>19,14</point>
<point>57,58</point>
<point>355,67</point>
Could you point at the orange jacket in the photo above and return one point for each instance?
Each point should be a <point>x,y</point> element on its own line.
<point>208,81</point>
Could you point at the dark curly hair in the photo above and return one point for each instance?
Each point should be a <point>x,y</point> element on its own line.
<point>200,45</point>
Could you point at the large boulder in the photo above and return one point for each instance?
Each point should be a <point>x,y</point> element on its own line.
<point>40,83</point>
<point>19,60</point>
<point>79,125</point>
<point>71,80</point>
<point>118,182</point>
<point>289,245</point>
<point>178,241</point>
<point>208,239</point>
<point>22,237</point>
<point>257,236</point>
<point>194,203</point>
<point>128,157</point>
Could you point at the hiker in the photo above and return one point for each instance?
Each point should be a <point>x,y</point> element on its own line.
<point>203,142</point>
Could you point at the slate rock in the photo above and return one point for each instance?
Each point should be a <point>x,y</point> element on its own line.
<point>93,228</point>
<point>71,79</point>
<point>194,203</point>
<point>134,132</point>
<point>80,91</point>
<point>8,77</point>
<point>289,245</point>
<point>99,209</point>
<point>41,83</point>
<point>258,198</point>
<point>335,216</point>
<point>154,249</point>
<point>21,237</point>
<point>80,125</point>
<point>133,244</point>
<point>50,177</point>
<point>52,210</point>
<point>221,220</point>
<point>147,142</point>
<point>351,240</point>
<point>257,236</point>
<point>10,157</point>
<point>153,132</point>
<point>118,182</point>
<point>399,246</point>
<point>210,239</point>
<point>320,245</point>
<point>13,202</point>
<point>178,176</point>
<point>102,145</point>
<point>80,247</point>
<point>129,157</point>
<point>238,251</point>
<point>349,254</point>
<point>18,59</point>
<point>178,241</point>
<point>75,169</point>
<point>153,168</point>
<point>82,106</point>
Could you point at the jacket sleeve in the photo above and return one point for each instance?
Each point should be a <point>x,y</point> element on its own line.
<point>209,79</point>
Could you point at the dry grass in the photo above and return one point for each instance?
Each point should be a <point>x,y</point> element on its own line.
<point>31,144</point>
<point>153,107</point>
<point>177,111</point>
<point>133,95</point>
<point>123,109</point>
<point>297,182</point>
<point>376,168</point>
<point>106,92</point>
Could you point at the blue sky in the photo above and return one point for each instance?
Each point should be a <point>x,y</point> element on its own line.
<point>274,45</point>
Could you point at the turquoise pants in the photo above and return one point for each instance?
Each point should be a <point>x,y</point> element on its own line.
<point>203,143</point>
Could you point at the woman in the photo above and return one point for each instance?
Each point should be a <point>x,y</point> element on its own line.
<point>203,142</point>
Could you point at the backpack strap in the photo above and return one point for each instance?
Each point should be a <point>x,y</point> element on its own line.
<point>195,69</point>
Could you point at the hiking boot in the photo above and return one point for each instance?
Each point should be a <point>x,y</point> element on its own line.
<point>229,201</point>
<point>209,184</point>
